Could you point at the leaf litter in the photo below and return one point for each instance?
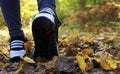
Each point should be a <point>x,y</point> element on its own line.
<point>83,53</point>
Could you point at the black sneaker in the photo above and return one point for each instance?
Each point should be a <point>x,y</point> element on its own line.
<point>45,34</point>
<point>17,49</point>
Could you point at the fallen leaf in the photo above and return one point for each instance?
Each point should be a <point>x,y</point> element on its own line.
<point>81,63</point>
<point>3,64</point>
<point>20,69</point>
<point>108,39</point>
<point>62,51</point>
<point>107,62</point>
<point>85,39</point>
<point>65,64</point>
<point>27,59</point>
<point>88,51</point>
<point>4,51</point>
<point>28,47</point>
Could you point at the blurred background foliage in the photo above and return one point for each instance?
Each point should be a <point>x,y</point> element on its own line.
<point>76,12</point>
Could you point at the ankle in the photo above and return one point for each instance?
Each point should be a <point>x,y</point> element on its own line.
<point>22,38</point>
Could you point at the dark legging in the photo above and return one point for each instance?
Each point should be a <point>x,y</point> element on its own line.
<point>11,12</point>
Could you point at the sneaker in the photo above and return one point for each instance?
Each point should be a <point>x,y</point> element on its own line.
<point>16,50</point>
<point>45,30</point>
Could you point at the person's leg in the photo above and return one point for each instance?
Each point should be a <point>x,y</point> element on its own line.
<point>11,12</point>
<point>47,6</point>
<point>45,29</point>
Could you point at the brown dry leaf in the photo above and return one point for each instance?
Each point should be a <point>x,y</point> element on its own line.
<point>118,55</point>
<point>90,65</point>
<point>65,64</point>
<point>28,47</point>
<point>51,64</point>
<point>27,59</point>
<point>88,51</point>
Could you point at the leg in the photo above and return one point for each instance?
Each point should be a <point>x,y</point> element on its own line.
<point>11,12</point>
<point>45,29</point>
<point>47,6</point>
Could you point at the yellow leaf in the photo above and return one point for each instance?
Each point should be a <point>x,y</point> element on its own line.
<point>81,63</point>
<point>107,62</point>
<point>64,42</point>
<point>27,59</point>
<point>62,50</point>
<point>78,49</point>
<point>105,65</point>
<point>85,39</point>
<point>67,39</point>
<point>4,51</point>
<point>112,63</point>
<point>3,64</point>
<point>103,55</point>
<point>96,59</point>
<point>117,61</point>
<point>21,68</point>
<point>4,55</point>
<point>109,39</point>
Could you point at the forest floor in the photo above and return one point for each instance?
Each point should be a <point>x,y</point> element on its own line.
<point>88,40</point>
